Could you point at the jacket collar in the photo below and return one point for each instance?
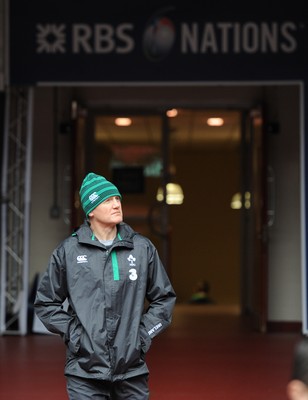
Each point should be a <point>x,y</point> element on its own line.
<point>124,236</point>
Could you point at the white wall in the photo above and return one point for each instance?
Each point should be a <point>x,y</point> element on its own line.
<point>284,235</point>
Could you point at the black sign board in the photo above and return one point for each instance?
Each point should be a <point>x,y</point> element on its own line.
<point>79,42</point>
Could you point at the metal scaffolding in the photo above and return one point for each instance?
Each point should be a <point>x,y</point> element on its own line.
<point>15,210</point>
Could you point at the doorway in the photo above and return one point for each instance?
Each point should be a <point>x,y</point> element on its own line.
<point>200,241</point>
<point>286,237</point>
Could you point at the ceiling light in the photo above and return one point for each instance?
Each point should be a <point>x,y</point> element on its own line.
<point>215,121</point>
<point>123,121</point>
<point>172,113</point>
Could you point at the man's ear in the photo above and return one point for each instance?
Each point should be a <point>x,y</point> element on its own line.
<point>296,390</point>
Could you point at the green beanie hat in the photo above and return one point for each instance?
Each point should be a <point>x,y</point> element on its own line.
<point>94,190</point>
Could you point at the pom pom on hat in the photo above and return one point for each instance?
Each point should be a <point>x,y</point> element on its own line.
<point>94,190</point>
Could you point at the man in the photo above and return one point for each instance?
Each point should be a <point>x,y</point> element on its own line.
<point>118,294</point>
<point>297,387</point>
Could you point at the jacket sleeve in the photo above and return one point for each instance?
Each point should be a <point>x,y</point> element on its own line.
<point>161,299</point>
<point>51,294</point>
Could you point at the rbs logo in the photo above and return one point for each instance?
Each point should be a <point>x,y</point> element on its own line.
<point>102,38</point>
<point>97,39</point>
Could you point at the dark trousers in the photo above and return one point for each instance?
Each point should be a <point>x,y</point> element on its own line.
<point>135,388</point>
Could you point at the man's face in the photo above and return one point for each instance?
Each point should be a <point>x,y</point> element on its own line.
<point>297,390</point>
<point>109,212</point>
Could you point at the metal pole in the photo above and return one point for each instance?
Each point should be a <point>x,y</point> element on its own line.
<point>27,199</point>
<point>4,214</point>
<point>165,180</point>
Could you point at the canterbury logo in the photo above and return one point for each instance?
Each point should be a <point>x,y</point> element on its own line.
<point>82,259</point>
<point>94,196</point>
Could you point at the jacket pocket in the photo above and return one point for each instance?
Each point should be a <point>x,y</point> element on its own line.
<point>74,336</point>
<point>145,340</point>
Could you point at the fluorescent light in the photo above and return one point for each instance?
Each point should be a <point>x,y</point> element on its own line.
<point>236,201</point>
<point>175,194</point>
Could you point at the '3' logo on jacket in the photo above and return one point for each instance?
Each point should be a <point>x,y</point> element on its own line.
<point>133,274</point>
